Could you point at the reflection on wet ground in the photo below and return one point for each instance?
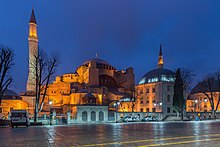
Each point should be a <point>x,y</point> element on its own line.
<point>116,134</point>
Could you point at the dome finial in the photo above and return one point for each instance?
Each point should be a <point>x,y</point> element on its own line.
<point>160,59</point>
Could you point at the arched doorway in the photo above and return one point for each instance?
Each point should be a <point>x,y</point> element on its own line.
<point>101,116</point>
<point>93,116</point>
<point>84,116</point>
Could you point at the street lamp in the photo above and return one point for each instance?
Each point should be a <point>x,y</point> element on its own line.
<point>196,101</point>
<point>205,100</point>
<point>50,103</point>
<point>116,104</point>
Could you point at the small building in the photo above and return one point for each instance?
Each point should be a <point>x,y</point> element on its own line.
<point>198,101</point>
<point>89,111</point>
<point>11,100</point>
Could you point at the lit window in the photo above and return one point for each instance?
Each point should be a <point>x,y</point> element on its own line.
<point>142,81</point>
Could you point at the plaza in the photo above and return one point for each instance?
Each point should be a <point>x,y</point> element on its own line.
<point>203,133</point>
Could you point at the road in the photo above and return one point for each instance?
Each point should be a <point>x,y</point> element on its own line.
<point>182,134</point>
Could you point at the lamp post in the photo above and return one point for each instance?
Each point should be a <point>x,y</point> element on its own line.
<point>50,103</point>
<point>198,103</point>
<point>158,104</point>
<point>116,105</point>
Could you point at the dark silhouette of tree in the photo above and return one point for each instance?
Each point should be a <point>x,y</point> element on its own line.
<point>210,86</point>
<point>187,76</point>
<point>178,97</point>
<point>45,67</point>
<point>6,64</point>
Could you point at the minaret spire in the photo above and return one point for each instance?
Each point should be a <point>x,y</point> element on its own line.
<point>160,58</point>
<point>32,18</point>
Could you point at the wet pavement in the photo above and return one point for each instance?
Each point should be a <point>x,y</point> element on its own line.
<point>206,133</point>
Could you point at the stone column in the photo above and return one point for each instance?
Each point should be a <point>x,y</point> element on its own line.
<point>68,117</point>
<point>89,116</point>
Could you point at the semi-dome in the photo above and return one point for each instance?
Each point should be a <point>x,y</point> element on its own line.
<point>158,75</point>
<point>100,63</point>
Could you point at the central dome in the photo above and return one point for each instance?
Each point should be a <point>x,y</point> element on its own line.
<point>100,63</point>
<point>97,60</point>
<point>158,75</point>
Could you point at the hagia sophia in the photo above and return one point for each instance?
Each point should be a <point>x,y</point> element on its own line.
<point>98,86</point>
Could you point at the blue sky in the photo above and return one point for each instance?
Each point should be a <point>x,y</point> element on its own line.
<point>123,32</point>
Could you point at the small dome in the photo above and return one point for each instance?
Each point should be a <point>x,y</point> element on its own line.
<point>82,91</point>
<point>10,93</point>
<point>201,87</point>
<point>89,98</point>
<point>158,75</point>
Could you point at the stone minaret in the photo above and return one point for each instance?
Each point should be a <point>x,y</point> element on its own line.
<point>33,51</point>
<point>160,59</point>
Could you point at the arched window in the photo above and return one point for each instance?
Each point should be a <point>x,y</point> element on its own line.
<point>93,116</point>
<point>101,116</point>
<point>84,116</point>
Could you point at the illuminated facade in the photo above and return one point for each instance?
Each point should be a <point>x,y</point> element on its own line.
<point>155,90</point>
<point>197,101</point>
<point>33,51</point>
<point>94,78</point>
<point>10,101</point>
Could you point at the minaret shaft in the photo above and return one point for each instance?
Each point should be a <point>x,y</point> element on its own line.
<point>33,52</point>
<point>160,58</point>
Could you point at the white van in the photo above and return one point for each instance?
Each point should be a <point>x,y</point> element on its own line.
<point>19,118</point>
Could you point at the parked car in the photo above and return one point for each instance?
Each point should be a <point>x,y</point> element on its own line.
<point>150,118</point>
<point>131,119</point>
<point>19,118</point>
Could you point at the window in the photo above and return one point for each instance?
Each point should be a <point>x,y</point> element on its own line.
<point>153,90</point>
<point>168,109</point>
<point>168,87</point>
<point>141,91</point>
<point>154,101</point>
<point>174,111</point>
<point>147,90</point>
<point>168,98</point>
<point>147,101</point>
<point>142,102</point>
<point>0,109</point>
<point>148,110</point>
<point>142,109</point>
<point>153,109</point>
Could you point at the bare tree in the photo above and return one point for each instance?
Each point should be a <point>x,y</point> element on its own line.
<point>6,64</point>
<point>187,76</point>
<point>209,86</point>
<point>45,68</point>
